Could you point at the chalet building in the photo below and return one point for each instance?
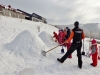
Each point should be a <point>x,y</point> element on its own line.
<point>11,12</point>
<point>33,17</point>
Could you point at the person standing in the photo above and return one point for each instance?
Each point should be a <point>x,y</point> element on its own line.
<point>69,43</point>
<point>68,31</point>
<point>55,35</point>
<point>77,35</point>
<point>94,53</point>
<point>60,36</point>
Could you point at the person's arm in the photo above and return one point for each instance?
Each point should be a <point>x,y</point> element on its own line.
<point>93,49</point>
<point>83,36</point>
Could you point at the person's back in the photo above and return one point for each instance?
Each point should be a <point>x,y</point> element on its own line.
<point>77,35</point>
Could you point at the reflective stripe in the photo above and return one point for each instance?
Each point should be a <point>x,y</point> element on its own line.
<point>78,41</point>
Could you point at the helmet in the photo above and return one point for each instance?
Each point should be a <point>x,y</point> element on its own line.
<point>53,32</point>
<point>93,42</point>
<point>76,24</point>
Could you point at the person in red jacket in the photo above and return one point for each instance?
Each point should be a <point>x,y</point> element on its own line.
<point>94,53</point>
<point>60,36</point>
<point>55,36</point>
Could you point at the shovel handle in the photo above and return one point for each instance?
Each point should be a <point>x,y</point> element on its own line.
<point>52,48</point>
<point>55,47</point>
<point>90,39</point>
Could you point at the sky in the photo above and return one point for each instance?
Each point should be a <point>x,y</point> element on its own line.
<point>20,50</point>
<point>60,12</point>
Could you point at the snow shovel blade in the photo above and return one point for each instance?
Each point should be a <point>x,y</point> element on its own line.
<point>44,53</point>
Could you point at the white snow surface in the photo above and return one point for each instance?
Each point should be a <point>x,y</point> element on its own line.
<point>21,45</point>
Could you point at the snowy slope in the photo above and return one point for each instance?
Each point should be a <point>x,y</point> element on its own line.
<point>20,51</point>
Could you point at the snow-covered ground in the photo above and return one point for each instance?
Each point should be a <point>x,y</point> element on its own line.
<point>20,51</point>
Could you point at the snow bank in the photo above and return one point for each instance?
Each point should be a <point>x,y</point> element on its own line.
<point>26,44</point>
<point>46,38</point>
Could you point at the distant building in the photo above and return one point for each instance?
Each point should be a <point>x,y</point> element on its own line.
<point>42,19</point>
<point>33,17</point>
<point>11,12</point>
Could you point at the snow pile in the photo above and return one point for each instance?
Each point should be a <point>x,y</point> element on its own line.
<point>26,44</point>
<point>46,38</point>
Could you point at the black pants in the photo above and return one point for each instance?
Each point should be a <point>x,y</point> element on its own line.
<point>74,46</point>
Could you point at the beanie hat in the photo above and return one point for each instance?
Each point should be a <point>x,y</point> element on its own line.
<point>93,42</point>
<point>76,24</point>
<point>66,27</point>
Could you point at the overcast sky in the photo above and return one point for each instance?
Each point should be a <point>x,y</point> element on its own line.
<point>60,11</point>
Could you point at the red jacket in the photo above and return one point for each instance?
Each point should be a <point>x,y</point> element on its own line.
<point>55,35</point>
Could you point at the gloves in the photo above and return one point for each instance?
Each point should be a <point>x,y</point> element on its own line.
<point>66,41</point>
<point>89,55</point>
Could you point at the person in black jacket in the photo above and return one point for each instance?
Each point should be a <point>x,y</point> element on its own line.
<point>68,32</point>
<point>77,35</point>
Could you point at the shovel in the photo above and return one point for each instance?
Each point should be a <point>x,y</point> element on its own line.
<point>44,52</point>
<point>83,53</point>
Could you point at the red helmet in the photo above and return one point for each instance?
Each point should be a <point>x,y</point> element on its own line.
<point>93,42</point>
<point>53,32</point>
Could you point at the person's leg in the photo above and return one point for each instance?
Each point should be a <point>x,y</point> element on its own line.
<point>94,59</point>
<point>79,56</point>
<point>95,62</point>
<point>68,46</point>
<point>71,50</point>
